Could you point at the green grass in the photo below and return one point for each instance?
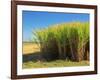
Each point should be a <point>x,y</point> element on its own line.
<point>56,63</point>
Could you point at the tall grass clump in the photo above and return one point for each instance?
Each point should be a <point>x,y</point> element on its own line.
<point>68,40</point>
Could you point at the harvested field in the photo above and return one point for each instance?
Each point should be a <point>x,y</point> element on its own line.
<point>30,48</point>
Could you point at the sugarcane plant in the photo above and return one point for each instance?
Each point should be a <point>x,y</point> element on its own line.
<point>71,38</point>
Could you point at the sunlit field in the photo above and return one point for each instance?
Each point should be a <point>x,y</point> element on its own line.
<point>30,48</point>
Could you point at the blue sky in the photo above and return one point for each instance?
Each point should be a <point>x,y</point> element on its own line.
<point>32,20</point>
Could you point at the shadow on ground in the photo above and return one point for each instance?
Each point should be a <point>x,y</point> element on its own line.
<point>38,56</point>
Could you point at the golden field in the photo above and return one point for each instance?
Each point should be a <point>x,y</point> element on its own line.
<point>29,48</point>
